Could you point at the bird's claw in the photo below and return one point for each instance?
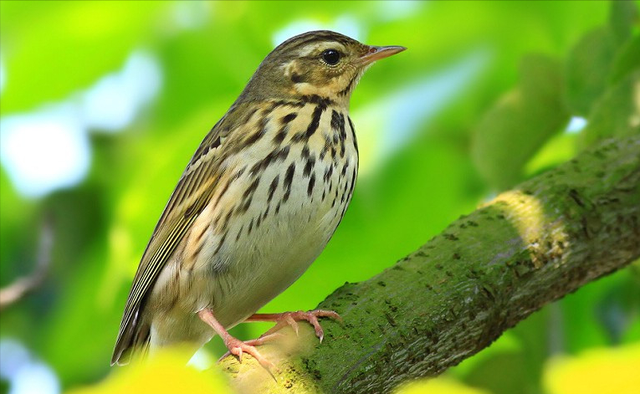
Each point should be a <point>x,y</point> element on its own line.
<point>237,348</point>
<point>291,318</point>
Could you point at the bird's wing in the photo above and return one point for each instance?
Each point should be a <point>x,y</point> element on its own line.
<point>193,192</point>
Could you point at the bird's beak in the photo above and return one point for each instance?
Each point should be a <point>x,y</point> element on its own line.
<point>377,53</point>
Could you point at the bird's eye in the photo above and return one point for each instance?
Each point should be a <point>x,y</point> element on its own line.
<point>331,57</point>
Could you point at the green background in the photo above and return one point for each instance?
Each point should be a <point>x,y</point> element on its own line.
<point>480,101</point>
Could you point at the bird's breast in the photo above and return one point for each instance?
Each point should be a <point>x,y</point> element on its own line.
<point>283,195</point>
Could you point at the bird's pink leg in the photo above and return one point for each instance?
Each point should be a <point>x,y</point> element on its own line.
<point>291,318</point>
<point>235,346</point>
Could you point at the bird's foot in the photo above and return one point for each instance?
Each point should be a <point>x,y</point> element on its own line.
<point>291,319</point>
<point>238,348</point>
<point>251,343</point>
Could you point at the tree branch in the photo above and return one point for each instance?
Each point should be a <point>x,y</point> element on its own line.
<point>20,287</point>
<point>460,291</point>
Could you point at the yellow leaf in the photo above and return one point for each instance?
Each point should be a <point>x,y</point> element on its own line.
<point>597,371</point>
<point>165,372</point>
<point>438,386</point>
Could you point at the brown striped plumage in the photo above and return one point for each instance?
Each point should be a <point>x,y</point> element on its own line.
<point>257,203</point>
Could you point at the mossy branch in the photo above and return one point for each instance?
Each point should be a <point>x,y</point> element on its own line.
<point>481,276</point>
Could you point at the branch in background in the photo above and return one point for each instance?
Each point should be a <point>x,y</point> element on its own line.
<point>22,286</point>
<point>461,290</point>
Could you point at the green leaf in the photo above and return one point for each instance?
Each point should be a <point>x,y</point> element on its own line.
<point>587,69</point>
<point>520,123</point>
<point>622,17</point>
<point>627,60</point>
<point>557,150</point>
<point>617,114</point>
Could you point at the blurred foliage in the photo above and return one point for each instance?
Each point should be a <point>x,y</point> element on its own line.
<point>438,386</point>
<point>554,60</point>
<point>534,108</point>
<point>583,374</point>
<point>164,373</point>
<point>595,371</point>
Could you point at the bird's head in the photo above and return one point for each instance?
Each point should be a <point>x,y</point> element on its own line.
<point>317,63</point>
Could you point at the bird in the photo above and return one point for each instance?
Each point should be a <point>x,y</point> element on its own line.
<point>256,205</point>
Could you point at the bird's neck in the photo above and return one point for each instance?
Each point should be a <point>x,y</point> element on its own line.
<point>338,103</point>
<point>260,89</point>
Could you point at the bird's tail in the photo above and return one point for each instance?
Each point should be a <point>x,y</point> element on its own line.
<point>133,342</point>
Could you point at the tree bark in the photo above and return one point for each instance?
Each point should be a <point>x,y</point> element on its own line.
<point>461,290</point>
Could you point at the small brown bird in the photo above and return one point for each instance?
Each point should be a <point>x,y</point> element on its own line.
<point>257,203</point>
